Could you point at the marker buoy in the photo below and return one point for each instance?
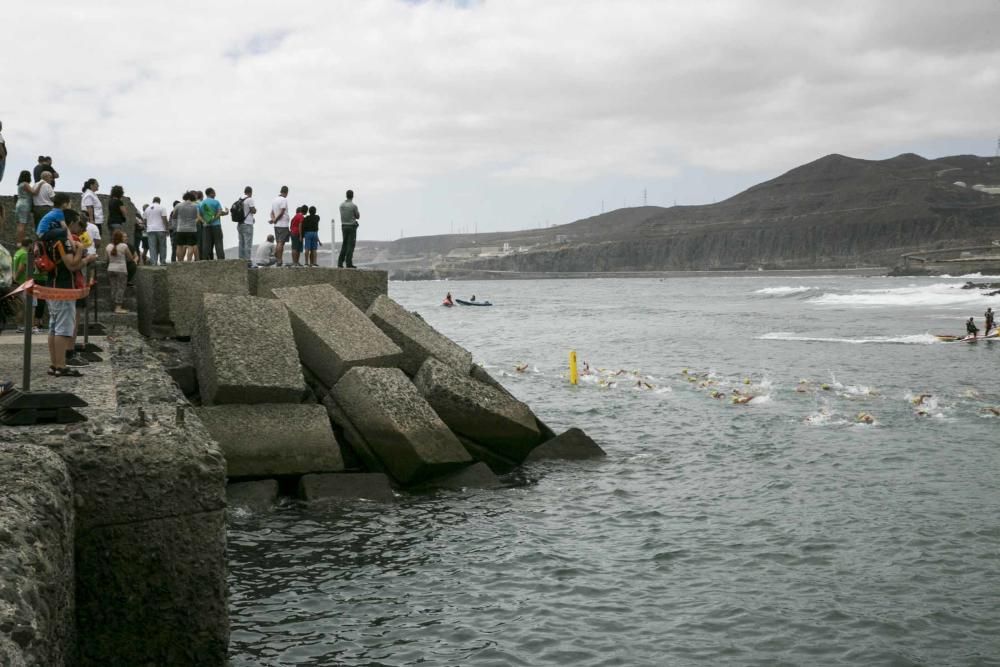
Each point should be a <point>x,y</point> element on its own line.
<point>572,367</point>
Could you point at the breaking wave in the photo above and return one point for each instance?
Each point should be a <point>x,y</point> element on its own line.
<point>786,290</point>
<point>916,339</point>
<point>939,294</point>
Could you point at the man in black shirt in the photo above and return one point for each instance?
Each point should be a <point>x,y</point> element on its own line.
<point>310,236</point>
<point>45,164</point>
<point>70,256</point>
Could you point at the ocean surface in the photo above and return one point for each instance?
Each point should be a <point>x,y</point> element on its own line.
<point>847,514</point>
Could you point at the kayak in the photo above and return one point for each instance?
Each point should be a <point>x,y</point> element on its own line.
<point>947,338</point>
<point>473,303</point>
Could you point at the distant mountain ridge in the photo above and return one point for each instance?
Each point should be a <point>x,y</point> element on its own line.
<point>834,212</point>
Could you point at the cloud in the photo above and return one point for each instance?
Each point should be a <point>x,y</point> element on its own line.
<point>398,98</point>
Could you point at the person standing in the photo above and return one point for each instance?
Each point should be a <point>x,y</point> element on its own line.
<point>3,152</point>
<point>69,258</point>
<point>22,210</point>
<point>211,215</point>
<point>155,217</point>
<point>349,216</point>
<point>310,236</point>
<point>186,233</point>
<point>989,321</point>
<point>295,231</point>
<point>244,225</point>
<point>172,231</point>
<point>43,192</point>
<point>971,329</point>
<point>94,211</point>
<point>281,221</point>
<point>117,213</point>
<point>118,256</point>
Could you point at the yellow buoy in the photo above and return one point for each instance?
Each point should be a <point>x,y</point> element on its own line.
<point>572,367</point>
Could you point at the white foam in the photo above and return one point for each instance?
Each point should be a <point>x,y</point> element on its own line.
<point>937,294</point>
<point>916,339</point>
<point>784,290</point>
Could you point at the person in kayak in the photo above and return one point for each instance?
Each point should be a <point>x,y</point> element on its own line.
<point>447,300</point>
<point>989,321</point>
<point>971,328</point>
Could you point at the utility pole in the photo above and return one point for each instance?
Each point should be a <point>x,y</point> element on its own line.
<point>644,196</point>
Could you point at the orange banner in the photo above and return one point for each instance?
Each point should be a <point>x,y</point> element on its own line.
<point>52,293</point>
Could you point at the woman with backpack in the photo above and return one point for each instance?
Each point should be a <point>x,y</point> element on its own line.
<point>118,256</point>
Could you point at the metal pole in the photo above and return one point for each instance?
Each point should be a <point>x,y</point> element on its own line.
<point>29,309</point>
<point>333,242</point>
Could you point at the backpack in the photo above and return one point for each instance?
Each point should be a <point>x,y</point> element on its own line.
<point>43,258</point>
<point>237,213</point>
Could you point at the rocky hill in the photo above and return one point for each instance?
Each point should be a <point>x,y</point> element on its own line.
<point>834,212</point>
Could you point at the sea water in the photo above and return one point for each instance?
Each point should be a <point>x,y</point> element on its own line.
<point>846,514</point>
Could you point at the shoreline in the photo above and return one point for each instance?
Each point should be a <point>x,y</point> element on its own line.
<point>597,275</point>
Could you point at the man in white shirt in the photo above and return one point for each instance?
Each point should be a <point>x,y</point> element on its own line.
<point>281,221</point>
<point>42,199</point>
<point>156,231</point>
<point>265,252</point>
<point>244,229</point>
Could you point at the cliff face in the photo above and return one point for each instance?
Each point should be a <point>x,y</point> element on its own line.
<point>837,211</point>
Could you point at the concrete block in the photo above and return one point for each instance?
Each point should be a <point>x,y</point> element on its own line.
<point>361,287</point>
<point>482,413</point>
<point>573,444</point>
<point>259,495</point>
<point>404,432</point>
<point>188,282</point>
<point>347,486</point>
<point>244,351</point>
<point>480,373</point>
<point>332,334</point>
<point>152,302</point>
<point>500,465</point>
<point>267,440</point>
<point>476,476</point>
<point>138,603</point>
<point>352,437</point>
<point>37,582</point>
<point>177,358</point>
<point>418,339</point>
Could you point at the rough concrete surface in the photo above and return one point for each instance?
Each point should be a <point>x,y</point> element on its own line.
<point>177,358</point>
<point>417,339</point>
<point>258,495</point>
<point>332,334</point>
<point>152,301</point>
<point>267,440</point>
<point>188,282</point>
<point>398,424</point>
<point>352,438</point>
<point>362,287</point>
<point>245,352</point>
<point>498,464</point>
<point>36,557</point>
<point>572,444</point>
<point>347,486</point>
<point>478,411</point>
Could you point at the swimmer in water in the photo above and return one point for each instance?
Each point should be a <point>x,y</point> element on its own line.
<point>865,418</point>
<point>520,368</point>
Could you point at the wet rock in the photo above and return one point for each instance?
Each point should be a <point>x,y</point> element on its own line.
<point>188,282</point>
<point>36,557</point>
<point>361,287</point>
<point>476,476</point>
<point>482,413</point>
<point>417,339</point>
<point>245,352</point>
<point>573,444</point>
<point>258,495</point>
<point>402,430</point>
<point>268,440</point>
<point>500,465</point>
<point>332,334</point>
<point>347,486</point>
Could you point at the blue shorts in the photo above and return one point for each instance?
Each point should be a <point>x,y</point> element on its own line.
<point>311,241</point>
<point>62,318</point>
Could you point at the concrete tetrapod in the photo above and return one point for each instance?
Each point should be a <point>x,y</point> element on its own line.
<point>418,339</point>
<point>266,440</point>
<point>398,425</point>
<point>485,415</point>
<point>226,327</point>
<point>332,334</point>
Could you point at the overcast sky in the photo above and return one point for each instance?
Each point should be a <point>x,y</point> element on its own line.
<point>493,115</point>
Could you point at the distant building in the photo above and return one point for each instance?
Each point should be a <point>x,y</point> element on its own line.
<point>562,238</point>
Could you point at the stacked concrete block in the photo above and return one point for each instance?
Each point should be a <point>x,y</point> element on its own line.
<point>153,302</point>
<point>477,411</point>
<point>417,339</point>
<point>188,282</point>
<point>347,486</point>
<point>361,287</point>
<point>245,352</point>
<point>268,440</point>
<point>398,425</point>
<point>572,444</point>
<point>332,334</point>
<point>36,558</point>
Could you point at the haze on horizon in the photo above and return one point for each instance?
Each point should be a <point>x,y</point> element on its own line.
<point>493,115</point>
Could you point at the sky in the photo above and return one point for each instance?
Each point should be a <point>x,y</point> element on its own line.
<point>494,115</point>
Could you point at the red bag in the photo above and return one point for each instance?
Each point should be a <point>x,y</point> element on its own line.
<point>43,260</point>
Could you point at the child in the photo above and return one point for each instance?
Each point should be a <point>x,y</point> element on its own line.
<point>52,226</point>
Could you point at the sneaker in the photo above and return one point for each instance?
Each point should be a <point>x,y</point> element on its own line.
<point>21,330</point>
<point>76,361</point>
<point>36,330</point>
